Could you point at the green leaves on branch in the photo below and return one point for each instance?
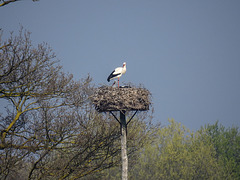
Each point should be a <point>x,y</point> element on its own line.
<point>178,153</point>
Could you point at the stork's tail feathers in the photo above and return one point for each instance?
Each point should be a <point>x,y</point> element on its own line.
<point>112,75</point>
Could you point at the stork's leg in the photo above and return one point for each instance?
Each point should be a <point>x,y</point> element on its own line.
<point>118,82</point>
<point>114,83</point>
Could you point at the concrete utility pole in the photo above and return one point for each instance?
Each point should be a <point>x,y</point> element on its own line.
<point>124,145</point>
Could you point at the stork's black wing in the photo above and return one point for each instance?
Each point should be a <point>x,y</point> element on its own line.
<point>112,75</point>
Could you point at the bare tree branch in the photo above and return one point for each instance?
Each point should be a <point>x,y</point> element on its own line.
<point>5,2</point>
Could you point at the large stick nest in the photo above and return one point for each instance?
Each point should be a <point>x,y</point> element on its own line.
<point>123,98</point>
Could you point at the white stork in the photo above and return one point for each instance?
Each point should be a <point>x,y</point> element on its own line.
<point>117,73</point>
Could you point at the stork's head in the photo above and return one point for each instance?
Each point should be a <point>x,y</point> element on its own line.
<point>124,64</point>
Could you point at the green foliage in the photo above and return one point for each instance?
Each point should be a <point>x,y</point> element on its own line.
<point>227,146</point>
<point>177,153</point>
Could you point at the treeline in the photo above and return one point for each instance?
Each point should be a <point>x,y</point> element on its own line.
<point>175,152</point>
<point>49,129</point>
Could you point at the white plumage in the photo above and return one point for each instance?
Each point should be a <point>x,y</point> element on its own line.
<point>117,73</point>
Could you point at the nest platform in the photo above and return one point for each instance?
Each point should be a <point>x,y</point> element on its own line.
<point>108,99</point>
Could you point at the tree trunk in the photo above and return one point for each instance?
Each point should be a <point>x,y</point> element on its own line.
<point>124,145</point>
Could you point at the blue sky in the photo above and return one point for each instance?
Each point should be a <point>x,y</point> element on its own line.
<point>187,53</point>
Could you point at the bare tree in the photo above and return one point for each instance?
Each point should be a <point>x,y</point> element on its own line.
<point>89,146</point>
<point>29,77</point>
<point>48,116</point>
